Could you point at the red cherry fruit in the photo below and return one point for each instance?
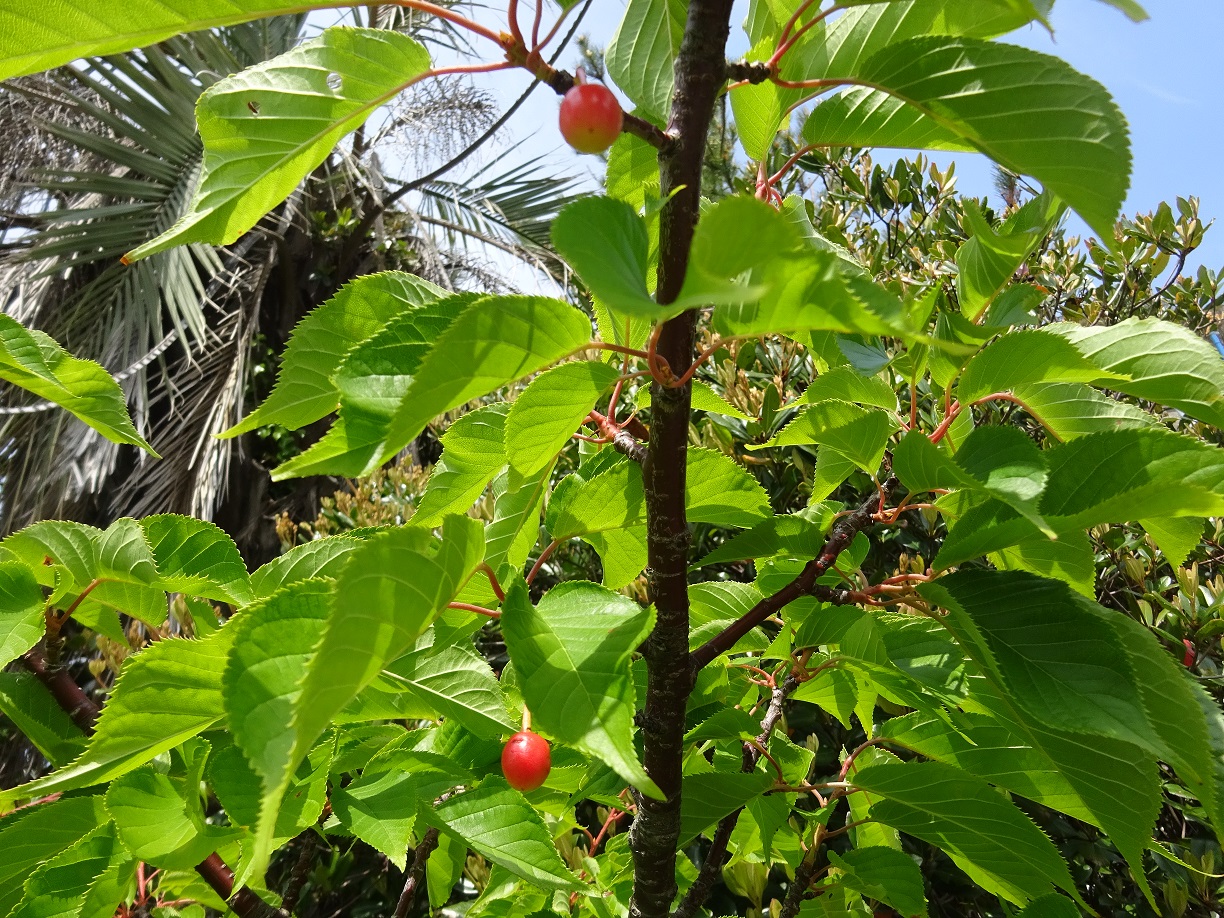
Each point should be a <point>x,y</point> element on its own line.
<point>526,760</point>
<point>1190,655</point>
<point>591,118</point>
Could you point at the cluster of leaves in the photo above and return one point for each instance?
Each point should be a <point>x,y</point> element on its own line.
<point>342,692</point>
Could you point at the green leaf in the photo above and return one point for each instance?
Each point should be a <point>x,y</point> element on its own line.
<point>320,558</point>
<point>1131,474</point>
<point>516,518</point>
<point>551,409</point>
<point>56,889</point>
<point>863,117</point>
<point>457,683</point>
<point>33,837</point>
<point>853,432</point>
<point>885,875</point>
<point>165,694</point>
<point>304,390</point>
<point>641,55</point>
<point>21,611</point>
<point>389,592</point>
<point>33,361</point>
<point>983,832</point>
<point>156,824</point>
<point>847,385</point>
<point>1069,410</point>
<point>571,655</point>
<point>1175,536</point>
<point>197,558</point>
<point>38,36</point>
<point>380,808</point>
<point>472,455</point>
<point>606,242</point>
<point>1051,906</point>
<point>495,341</point>
<point>1029,112</point>
<point>1051,655</point>
<point>267,128</point>
<point>1159,361</point>
<point>274,642</point>
<point>796,536</point>
<point>719,491</point>
<point>612,499</point>
<point>32,709</point>
<point>498,823</point>
<point>710,796</point>
<point>987,261</point>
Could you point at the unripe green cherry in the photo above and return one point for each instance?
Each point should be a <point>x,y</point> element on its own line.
<point>591,118</point>
<point>526,760</point>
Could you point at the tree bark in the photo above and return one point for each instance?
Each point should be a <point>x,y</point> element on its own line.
<point>655,834</point>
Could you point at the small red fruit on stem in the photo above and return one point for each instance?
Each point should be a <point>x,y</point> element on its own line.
<point>1190,655</point>
<point>591,118</point>
<point>526,760</point>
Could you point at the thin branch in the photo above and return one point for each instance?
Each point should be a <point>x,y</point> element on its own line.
<point>840,537</point>
<point>416,873</point>
<point>712,865</point>
<point>619,437</point>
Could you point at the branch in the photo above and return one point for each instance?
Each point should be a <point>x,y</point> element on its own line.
<point>700,75</point>
<point>710,867</point>
<point>623,441</point>
<point>67,694</point>
<point>416,873</point>
<point>840,537</point>
<point>753,72</point>
<point>84,713</point>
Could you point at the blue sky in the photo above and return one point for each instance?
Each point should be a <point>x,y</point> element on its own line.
<point>1167,75</point>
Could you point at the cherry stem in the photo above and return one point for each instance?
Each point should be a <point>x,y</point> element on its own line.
<point>535,25</point>
<point>613,815</point>
<point>479,610</point>
<point>512,20</point>
<point>526,717</point>
<point>497,590</point>
<point>544,556</point>
<point>788,43</point>
<point>443,13</point>
<point>552,33</point>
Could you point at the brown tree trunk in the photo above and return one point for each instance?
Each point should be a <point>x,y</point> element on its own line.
<point>655,834</point>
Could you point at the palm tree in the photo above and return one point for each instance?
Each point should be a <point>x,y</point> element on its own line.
<point>104,155</point>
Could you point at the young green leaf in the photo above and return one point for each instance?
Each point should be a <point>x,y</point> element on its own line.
<point>551,409</point>
<point>380,808</point>
<point>265,129</point>
<point>318,559</point>
<point>641,55</point>
<point>472,455</point>
<point>989,259</point>
<point>21,611</point>
<point>59,885</point>
<point>606,242</point>
<point>35,712</point>
<point>983,832</point>
<point>196,557</point>
<point>304,390</point>
<point>33,361</point>
<point>389,592</point>
<point>167,693</point>
<point>571,655</point>
<point>885,875</point>
<point>37,835</point>
<point>498,823</point>
<point>156,824</point>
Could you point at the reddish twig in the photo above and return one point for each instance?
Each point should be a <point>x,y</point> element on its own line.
<point>497,589</point>
<point>479,610</point>
<point>544,556</point>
